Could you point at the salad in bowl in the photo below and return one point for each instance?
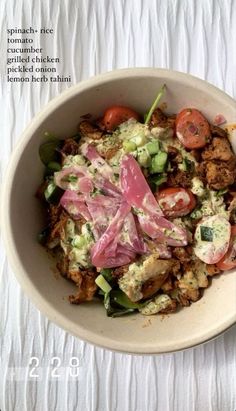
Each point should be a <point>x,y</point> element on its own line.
<point>141,207</point>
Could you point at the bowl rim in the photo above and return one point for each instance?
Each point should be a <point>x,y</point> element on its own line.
<point>27,285</point>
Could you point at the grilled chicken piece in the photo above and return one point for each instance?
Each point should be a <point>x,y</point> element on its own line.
<point>151,286</point>
<point>212,270</point>
<point>179,179</point>
<point>118,272</point>
<point>183,254</point>
<point>174,155</point>
<point>167,286</point>
<point>218,131</point>
<point>70,147</point>
<point>159,119</point>
<point>85,281</point>
<point>88,130</point>
<point>170,308</point>
<point>220,175</point>
<point>219,162</point>
<point>219,149</point>
<point>188,285</point>
<point>58,220</point>
<point>144,279</point>
<point>62,263</point>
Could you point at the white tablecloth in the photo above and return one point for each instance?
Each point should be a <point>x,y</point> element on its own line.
<point>90,37</point>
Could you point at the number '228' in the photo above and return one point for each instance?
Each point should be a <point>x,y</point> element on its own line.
<point>55,364</point>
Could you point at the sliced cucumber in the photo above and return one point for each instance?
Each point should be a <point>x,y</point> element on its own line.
<point>79,241</point>
<point>53,193</point>
<point>143,158</point>
<point>129,146</point>
<point>159,162</point>
<point>153,147</point>
<point>139,139</point>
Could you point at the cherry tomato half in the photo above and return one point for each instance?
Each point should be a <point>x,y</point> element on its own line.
<point>176,202</point>
<point>116,115</point>
<point>192,128</point>
<point>229,260</point>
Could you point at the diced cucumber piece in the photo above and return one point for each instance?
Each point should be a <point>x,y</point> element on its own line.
<point>87,232</point>
<point>153,147</point>
<point>53,193</point>
<point>144,158</point>
<point>159,162</point>
<point>129,146</point>
<point>139,140</point>
<point>49,191</point>
<point>103,284</point>
<point>79,241</point>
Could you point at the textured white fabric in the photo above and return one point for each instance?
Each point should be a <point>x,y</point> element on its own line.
<point>90,37</point>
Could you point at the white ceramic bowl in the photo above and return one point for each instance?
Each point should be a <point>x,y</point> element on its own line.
<point>22,217</point>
